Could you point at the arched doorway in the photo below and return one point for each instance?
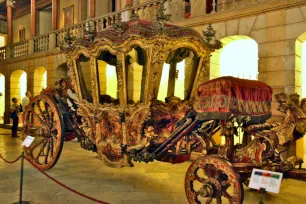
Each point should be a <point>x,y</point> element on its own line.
<point>2,98</point>
<point>239,58</point>
<point>18,85</point>
<point>40,80</point>
<point>300,80</point>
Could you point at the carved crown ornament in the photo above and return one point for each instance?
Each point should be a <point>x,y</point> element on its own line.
<point>210,35</point>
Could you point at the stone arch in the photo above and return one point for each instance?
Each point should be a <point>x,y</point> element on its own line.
<point>300,83</point>
<point>40,80</point>
<point>18,85</point>
<point>61,71</point>
<point>237,41</point>
<point>300,64</point>
<point>2,98</point>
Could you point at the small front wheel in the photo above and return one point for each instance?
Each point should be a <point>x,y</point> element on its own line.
<point>211,179</point>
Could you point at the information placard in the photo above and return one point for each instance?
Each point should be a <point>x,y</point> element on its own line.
<point>28,141</point>
<point>269,180</point>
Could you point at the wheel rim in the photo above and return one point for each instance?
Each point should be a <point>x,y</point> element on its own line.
<point>43,121</point>
<point>212,180</point>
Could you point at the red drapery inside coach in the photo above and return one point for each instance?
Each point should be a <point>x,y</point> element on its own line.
<point>221,97</point>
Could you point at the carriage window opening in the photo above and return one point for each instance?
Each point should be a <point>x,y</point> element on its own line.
<point>179,89</point>
<point>178,75</point>
<point>107,78</point>
<point>135,63</point>
<point>111,81</point>
<point>84,73</point>
<point>163,86</point>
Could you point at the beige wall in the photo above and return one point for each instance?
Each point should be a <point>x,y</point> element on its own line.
<point>65,4</point>
<point>22,22</point>
<point>102,7</point>
<point>43,17</point>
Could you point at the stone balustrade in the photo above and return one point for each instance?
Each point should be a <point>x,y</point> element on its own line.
<point>2,52</point>
<point>41,43</point>
<point>178,9</point>
<point>19,49</point>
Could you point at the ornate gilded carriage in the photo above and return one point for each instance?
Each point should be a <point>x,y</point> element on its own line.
<point>136,92</point>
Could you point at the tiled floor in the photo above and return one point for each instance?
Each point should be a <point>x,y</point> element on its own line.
<point>153,183</point>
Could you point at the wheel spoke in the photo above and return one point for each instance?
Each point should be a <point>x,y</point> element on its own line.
<point>209,200</point>
<point>41,111</point>
<point>47,153</point>
<point>202,180</point>
<point>41,150</point>
<point>52,145</point>
<point>35,145</point>
<point>52,118</point>
<point>227,195</point>
<point>225,184</point>
<point>47,113</point>
<point>38,117</point>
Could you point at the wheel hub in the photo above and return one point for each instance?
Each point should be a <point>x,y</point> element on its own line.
<point>211,188</point>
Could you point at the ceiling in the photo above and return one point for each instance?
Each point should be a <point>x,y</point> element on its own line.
<point>20,6</point>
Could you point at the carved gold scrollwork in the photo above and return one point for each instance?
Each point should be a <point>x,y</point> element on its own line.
<point>119,71</point>
<point>204,69</point>
<point>137,115</point>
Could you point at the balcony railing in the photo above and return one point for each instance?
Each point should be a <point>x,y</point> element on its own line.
<point>2,52</point>
<point>20,49</point>
<point>179,10</point>
<point>41,43</point>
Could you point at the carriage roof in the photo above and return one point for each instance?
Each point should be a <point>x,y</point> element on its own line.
<point>147,30</point>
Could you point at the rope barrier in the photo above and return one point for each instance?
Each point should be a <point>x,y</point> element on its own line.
<point>10,161</point>
<point>63,185</point>
<point>53,179</point>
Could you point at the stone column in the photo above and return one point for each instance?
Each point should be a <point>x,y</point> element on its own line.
<point>7,100</point>
<point>124,3</point>
<point>80,7</point>
<point>33,18</point>
<point>118,5</point>
<point>9,5</point>
<point>54,14</point>
<point>92,8</point>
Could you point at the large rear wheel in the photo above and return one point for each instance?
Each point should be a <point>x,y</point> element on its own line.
<point>211,179</point>
<point>43,121</point>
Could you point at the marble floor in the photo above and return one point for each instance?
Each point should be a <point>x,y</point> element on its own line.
<point>153,183</point>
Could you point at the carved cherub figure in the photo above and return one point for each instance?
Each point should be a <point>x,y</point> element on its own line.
<point>282,99</point>
<point>294,98</point>
<point>303,105</point>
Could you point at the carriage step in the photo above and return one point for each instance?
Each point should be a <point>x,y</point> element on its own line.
<point>299,174</point>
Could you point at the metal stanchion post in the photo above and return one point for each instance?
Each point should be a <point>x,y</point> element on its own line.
<point>21,182</point>
<point>262,190</point>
